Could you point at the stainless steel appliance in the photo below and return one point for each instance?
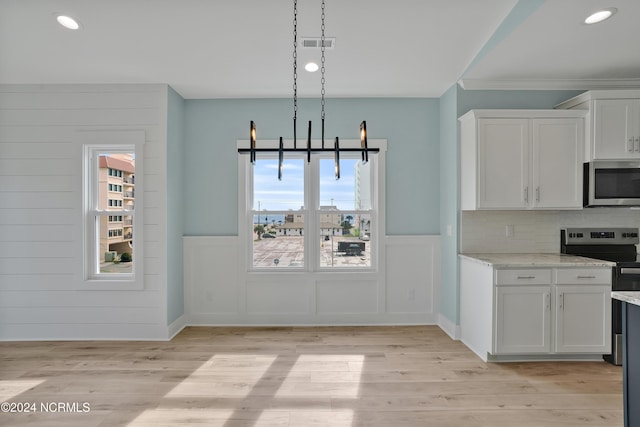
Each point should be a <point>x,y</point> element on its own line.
<point>611,183</point>
<point>611,244</point>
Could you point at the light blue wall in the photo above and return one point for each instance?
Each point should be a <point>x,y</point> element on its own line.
<point>520,12</point>
<point>449,154</point>
<point>175,205</point>
<point>410,125</point>
<point>512,99</point>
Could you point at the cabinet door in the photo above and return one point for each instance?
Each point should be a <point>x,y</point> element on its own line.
<point>522,319</point>
<point>616,130</point>
<point>557,163</point>
<point>503,163</point>
<point>583,319</point>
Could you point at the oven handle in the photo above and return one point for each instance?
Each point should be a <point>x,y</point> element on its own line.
<point>630,271</point>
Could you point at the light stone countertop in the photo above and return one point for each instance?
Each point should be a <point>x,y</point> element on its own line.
<point>535,260</point>
<point>632,297</point>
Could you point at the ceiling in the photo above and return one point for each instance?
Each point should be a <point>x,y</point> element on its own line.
<point>384,48</point>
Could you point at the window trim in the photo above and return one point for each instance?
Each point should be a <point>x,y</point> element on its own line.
<point>113,142</point>
<point>311,242</point>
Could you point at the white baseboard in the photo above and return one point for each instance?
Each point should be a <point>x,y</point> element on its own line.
<point>449,327</point>
<point>176,327</point>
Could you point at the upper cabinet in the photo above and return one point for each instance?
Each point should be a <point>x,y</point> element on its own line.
<point>616,129</point>
<point>613,123</point>
<point>521,159</point>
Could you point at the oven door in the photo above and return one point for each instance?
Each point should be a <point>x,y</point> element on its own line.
<point>612,183</point>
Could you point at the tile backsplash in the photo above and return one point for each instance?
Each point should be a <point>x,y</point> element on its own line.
<point>533,231</point>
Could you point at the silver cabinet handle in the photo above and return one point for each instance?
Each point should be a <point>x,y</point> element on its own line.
<point>637,143</point>
<point>526,194</point>
<point>630,271</point>
<point>537,194</point>
<point>586,277</point>
<point>526,277</point>
<point>630,145</point>
<point>548,301</point>
<point>562,302</point>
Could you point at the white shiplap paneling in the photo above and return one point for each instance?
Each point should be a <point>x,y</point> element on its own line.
<point>43,294</point>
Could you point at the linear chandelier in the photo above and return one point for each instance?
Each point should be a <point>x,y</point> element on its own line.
<point>364,148</point>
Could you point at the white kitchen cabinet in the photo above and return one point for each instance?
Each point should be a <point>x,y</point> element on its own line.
<point>521,159</point>
<point>613,123</point>
<point>523,316</point>
<point>583,310</point>
<point>616,129</point>
<point>502,163</point>
<point>517,314</point>
<point>557,163</point>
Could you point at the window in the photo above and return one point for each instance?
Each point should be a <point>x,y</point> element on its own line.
<point>110,225</point>
<point>115,233</point>
<point>278,214</point>
<point>309,221</point>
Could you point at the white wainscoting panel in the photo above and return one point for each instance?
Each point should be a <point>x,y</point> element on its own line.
<point>413,268</point>
<point>287,297</point>
<point>347,296</point>
<point>219,290</point>
<point>211,271</point>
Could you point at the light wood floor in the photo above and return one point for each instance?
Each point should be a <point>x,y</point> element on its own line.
<point>333,376</point>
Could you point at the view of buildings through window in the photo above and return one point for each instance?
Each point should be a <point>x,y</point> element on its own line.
<point>115,203</point>
<point>339,213</point>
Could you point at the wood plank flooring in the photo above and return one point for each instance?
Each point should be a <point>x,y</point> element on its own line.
<point>299,377</point>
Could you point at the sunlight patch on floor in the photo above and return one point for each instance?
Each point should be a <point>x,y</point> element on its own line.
<point>171,417</point>
<point>12,388</point>
<point>321,363</point>
<point>216,377</point>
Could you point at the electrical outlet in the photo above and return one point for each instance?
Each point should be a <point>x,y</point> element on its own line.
<point>508,230</point>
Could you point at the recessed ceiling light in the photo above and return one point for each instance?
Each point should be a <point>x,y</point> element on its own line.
<point>311,67</point>
<point>68,22</point>
<point>600,15</point>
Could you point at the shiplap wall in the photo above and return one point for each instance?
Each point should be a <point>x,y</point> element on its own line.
<point>219,291</point>
<point>42,291</point>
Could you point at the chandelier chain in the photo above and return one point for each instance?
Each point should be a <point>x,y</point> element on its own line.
<point>252,150</point>
<point>295,60</point>
<point>322,69</point>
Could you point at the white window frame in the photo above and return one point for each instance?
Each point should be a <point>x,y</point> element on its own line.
<point>94,144</point>
<point>311,209</point>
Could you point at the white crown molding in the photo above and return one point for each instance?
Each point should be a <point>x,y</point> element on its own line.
<point>548,84</point>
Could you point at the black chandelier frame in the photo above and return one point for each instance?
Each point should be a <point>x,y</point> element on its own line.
<point>336,150</point>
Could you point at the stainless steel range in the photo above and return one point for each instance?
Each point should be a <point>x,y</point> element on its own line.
<point>611,244</point>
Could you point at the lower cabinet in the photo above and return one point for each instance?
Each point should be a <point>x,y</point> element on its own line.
<point>581,314</point>
<point>523,319</point>
<point>557,312</point>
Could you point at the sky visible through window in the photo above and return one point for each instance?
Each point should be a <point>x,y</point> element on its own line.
<point>288,194</point>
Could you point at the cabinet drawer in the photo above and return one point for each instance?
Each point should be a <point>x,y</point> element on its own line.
<point>580,276</point>
<point>523,277</point>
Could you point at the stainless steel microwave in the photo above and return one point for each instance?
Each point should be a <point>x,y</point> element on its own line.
<point>612,183</point>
